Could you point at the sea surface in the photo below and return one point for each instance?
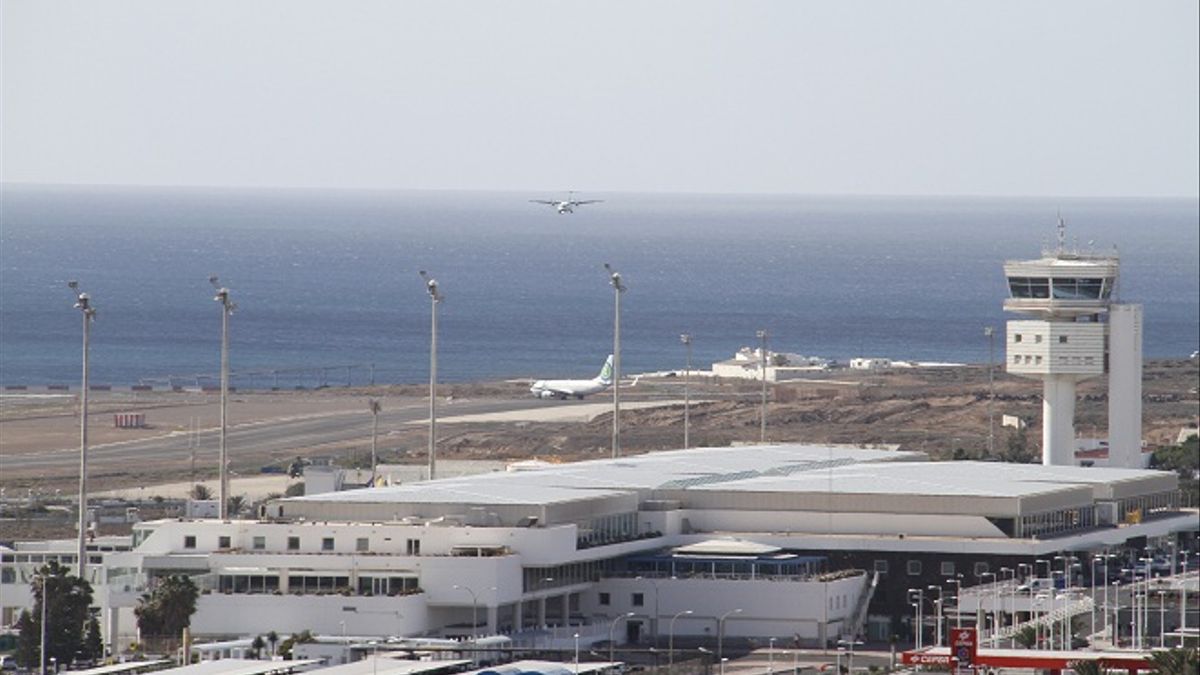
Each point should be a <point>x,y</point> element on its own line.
<point>329,278</point>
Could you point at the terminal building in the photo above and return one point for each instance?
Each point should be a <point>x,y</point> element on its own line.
<point>791,541</point>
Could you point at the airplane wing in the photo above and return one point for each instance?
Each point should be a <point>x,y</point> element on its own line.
<point>543,201</point>
<point>587,201</point>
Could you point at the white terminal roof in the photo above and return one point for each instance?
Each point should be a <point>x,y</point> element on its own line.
<point>238,667</point>
<point>389,665</point>
<point>763,477</point>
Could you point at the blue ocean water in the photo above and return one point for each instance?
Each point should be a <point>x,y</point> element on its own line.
<point>328,278</point>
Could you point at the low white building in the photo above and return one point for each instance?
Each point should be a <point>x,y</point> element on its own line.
<point>747,364</point>
<point>795,536</point>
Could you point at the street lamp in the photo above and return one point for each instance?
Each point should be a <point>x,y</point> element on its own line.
<point>771,656</point>
<point>614,280</point>
<point>45,601</point>
<point>687,378</point>
<point>957,581</point>
<point>375,407</point>
<point>435,298</point>
<point>227,309</point>
<point>920,606</point>
<point>990,333</point>
<point>654,621</point>
<point>762,427</point>
<point>83,303</point>
<point>1012,590</point>
<point>671,639</point>
<point>850,653</point>
<point>937,622</point>
<point>576,636</point>
<point>612,638</point>
<point>721,631</point>
<point>474,607</point>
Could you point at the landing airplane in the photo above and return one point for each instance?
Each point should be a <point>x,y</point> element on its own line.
<point>564,389</point>
<point>567,205</point>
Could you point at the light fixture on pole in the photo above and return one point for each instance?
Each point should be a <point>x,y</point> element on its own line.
<point>612,638</point>
<point>686,339</point>
<point>671,639</point>
<point>227,308</point>
<point>762,427</point>
<point>957,581</point>
<point>614,280</point>
<point>920,606</point>
<point>42,650</point>
<point>990,333</point>
<point>721,631</point>
<point>84,304</point>
<point>375,407</point>
<point>937,621</point>
<point>474,607</point>
<point>576,654</point>
<point>435,298</point>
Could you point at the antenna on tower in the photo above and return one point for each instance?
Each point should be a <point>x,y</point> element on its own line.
<point>1062,232</point>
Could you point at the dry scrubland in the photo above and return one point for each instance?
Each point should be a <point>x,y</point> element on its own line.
<point>935,410</point>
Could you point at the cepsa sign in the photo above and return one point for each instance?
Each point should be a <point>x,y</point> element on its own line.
<point>962,648</point>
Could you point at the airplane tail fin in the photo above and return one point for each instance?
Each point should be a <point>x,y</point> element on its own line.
<point>606,373</point>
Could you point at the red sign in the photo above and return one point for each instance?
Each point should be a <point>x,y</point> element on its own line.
<point>962,648</point>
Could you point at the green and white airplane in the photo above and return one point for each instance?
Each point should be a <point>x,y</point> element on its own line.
<point>564,389</point>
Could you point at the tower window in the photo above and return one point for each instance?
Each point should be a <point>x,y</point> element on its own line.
<point>1016,358</point>
<point>1037,339</point>
<point>1016,337</point>
<point>1062,339</point>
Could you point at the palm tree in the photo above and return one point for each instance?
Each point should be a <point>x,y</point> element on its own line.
<point>1176,661</point>
<point>168,609</point>
<point>200,492</point>
<point>236,504</point>
<point>258,644</point>
<point>273,639</point>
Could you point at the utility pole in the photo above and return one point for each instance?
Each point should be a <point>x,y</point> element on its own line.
<point>84,304</point>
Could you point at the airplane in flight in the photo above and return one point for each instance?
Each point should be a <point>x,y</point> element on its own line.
<point>564,389</point>
<point>565,205</point>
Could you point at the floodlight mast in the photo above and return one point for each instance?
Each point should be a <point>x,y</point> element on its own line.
<point>614,280</point>
<point>686,339</point>
<point>435,298</point>
<point>227,308</point>
<point>83,303</point>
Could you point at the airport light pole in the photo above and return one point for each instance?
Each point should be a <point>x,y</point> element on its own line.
<point>762,427</point>
<point>990,333</point>
<point>614,280</point>
<point>671,639</point>
<point>42,650</point>
<point>375,407</point>
<point>435,298</point>
<point>686,339</point>
<point>771,656</point>
<point>721,631</point>
<point>83,303</point>
<point>612,638</point>
<point>227,308</point>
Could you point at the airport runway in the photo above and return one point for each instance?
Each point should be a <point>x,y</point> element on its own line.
<point>277,437</point>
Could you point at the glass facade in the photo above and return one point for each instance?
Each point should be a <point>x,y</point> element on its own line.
<point>1060,288</point>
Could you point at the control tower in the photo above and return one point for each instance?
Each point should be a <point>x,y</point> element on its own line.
<point>1075,330</point>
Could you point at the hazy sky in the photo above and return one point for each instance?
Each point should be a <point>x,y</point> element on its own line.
<point>998,98</point>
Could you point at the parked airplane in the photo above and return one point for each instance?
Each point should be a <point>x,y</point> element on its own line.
<point>565,205</point>
<point>564,389</point>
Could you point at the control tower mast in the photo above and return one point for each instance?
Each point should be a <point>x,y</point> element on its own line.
<point>1075,332</point>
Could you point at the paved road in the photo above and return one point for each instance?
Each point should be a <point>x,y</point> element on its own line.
<point>262,438</point>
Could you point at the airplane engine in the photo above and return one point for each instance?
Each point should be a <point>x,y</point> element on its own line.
<point>547,394</point>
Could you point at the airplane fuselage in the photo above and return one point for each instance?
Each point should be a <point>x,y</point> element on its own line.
<point>565,389</point>
<point>565,207</point>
